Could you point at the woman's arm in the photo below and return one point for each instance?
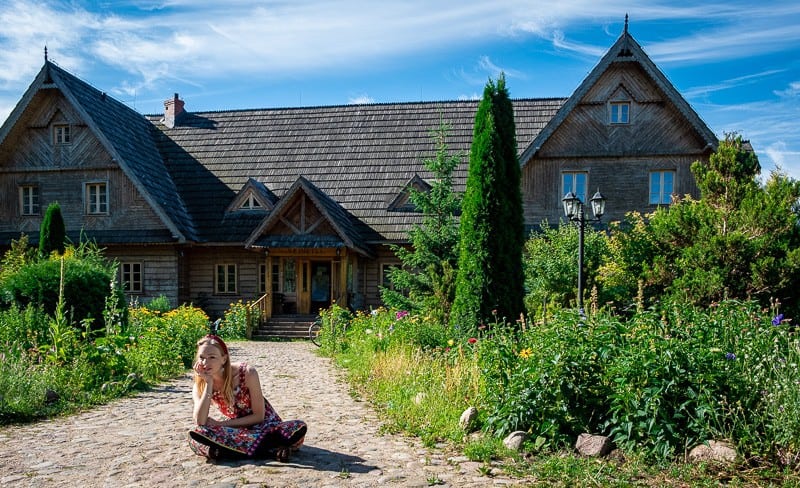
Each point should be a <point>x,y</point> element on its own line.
<point>256,402</point>
<point>202,401</point>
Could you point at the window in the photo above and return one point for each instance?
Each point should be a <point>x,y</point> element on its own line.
<point>61,134</point>
<point>289,276</point>
<point>620,112</point>
<point>386,270</point>
<point>132,277</point>
<point>575,182</point>
<point>276,277</point>
<point>29,199</point>
<point>96,198</point>
<point>250,203</point>
<point>262,278</point>
<point>661,187</point>
<point>226,278</point>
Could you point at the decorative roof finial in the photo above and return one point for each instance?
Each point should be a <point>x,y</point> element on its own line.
<point>45,53</point>
<point>626,23</point>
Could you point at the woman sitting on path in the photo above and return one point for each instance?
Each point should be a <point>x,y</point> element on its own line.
<point>251,428</point>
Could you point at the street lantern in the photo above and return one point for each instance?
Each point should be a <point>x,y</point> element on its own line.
<point>574,210</point>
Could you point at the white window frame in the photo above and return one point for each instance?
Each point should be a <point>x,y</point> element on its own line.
<point>132,276</point>
<point>225,278</point>
<point>619,112</point>
<point>251,203</point>
<point>96,198</point>
<point>660,190</point>
<point>29,200</point>
<point>573,185</point>
<point>62,134</point>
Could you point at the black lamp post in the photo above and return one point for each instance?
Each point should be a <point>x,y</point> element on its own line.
<point>574,210</point>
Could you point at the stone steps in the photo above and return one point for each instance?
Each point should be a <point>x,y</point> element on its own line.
<point>285,327</point>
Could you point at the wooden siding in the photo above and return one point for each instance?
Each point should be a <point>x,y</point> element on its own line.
<point>372,276</point>
<point>623,181</point>
<point>160,266</point>
<point>201,263</point>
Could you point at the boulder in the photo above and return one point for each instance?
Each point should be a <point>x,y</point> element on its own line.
<point>593,445</point>
<point>714,451</point>
<point>468,418</point>
<point>515,440</point>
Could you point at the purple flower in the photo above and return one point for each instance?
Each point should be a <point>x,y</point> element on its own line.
<point>778,319</point>
<point>730,356</point>
<point>401,314</point>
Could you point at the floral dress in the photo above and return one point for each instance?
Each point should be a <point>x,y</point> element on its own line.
<point>217,441</point>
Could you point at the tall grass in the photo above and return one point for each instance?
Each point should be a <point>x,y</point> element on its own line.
<point>658,383</point>
<point>39,378</point>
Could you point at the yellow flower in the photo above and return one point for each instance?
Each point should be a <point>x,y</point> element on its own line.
<point>450,342</point>
<point>525,353</point>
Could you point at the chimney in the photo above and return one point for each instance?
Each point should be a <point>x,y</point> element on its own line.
<point>173,108</point>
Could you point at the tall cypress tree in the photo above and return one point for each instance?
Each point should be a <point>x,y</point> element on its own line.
<point>52,233</point>
<point>490,276</point>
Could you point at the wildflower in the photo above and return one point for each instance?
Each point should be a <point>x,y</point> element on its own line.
<point>368,331</point>
<point>482,327</point>
<point>778,319</point>
<point>494,312</point>
<point>450,342</point>
<point>374,312</point>
<point>730,356</point>
<point>526,353</point>
<point>401,314</point>
<point>472,340</point>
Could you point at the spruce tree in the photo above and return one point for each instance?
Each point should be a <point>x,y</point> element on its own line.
<point>490,275</point>
<point>52,233</point>
<point>427,273</point>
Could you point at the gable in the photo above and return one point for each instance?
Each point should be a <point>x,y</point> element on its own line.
<point>661,122</point>
<point>402,201</point>
<point>31,142</point>
<point>655,127</point>
<point>253,197</point>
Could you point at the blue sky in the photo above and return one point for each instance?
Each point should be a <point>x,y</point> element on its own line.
<point>736,62</point>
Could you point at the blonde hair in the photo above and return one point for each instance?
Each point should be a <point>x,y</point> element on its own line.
<point>227,377</point>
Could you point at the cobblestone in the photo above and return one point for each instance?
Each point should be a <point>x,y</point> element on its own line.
<point>140,441</point>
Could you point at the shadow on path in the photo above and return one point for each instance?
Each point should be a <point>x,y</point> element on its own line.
<point>310,457</point>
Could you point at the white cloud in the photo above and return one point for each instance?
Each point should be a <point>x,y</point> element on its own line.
<point>793,90</point>
<point>361,100</point>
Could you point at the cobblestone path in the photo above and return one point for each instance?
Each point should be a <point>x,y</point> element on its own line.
<point>141,441</point>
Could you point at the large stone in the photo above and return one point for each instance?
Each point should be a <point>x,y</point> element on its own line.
<point>468,418</point>
<point>593,445</point>
<point>515,440</point>
<point>714,451</point>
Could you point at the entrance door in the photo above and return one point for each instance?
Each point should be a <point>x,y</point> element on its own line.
<point>320,285</point>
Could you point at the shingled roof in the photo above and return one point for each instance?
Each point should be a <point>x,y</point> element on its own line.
<point>360,156</point>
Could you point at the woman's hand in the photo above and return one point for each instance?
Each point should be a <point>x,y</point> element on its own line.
<point>205,375</point>
<point>212,422</point>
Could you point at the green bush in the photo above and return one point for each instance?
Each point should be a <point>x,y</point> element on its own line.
<point>234,321</point>
<point>87,283</point>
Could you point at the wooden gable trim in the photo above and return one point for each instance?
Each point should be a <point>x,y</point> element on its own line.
<point>255,189</point>
<point>626,49</point>
<point>402,199</point>
<point>306,189</point>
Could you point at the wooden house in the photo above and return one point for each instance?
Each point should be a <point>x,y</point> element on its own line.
<point>296,206</point>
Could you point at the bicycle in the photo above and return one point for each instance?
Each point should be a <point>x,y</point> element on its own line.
<point>314,330</point>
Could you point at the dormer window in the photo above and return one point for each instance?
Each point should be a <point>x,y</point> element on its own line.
<point>250,203</point>
<point>61,134</point>
<point>620,112</point>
